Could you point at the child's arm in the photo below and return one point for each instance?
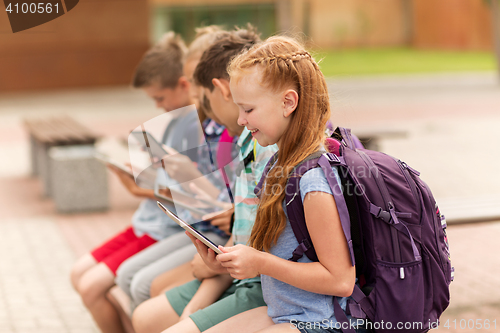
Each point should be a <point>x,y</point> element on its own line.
<point>182,169</point>
<point>209,291</point>
<point>130,184</point>
<point>332,275</point>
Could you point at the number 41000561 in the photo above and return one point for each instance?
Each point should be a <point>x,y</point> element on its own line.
<point>32,8</point>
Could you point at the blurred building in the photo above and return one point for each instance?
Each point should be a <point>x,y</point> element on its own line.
<point>100,41</point>
<point>448,24</point>
<point>452,24</point>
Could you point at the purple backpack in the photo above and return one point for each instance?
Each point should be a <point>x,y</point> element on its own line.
<point>394,230</point>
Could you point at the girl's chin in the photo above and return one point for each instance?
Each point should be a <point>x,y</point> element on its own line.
<point>262,142</point>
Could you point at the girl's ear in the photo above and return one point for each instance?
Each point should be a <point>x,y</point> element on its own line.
<point>290,102</point>
<point>223,85</point>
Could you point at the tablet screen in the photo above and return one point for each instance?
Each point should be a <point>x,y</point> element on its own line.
<point>190,229</point>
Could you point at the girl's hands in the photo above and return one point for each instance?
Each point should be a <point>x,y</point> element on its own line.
<point>208,256</point>
<point>241,261</point>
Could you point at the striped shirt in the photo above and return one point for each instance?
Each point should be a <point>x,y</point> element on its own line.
<point>245,209</point>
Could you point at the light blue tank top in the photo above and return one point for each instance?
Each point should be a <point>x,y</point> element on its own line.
<point>287,303</point>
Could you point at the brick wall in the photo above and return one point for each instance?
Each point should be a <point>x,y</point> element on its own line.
<point>452,24</point>
<point>99,42</point>
<point>357,23</point>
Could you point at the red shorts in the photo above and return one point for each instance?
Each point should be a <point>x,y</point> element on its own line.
<point>121,247</point>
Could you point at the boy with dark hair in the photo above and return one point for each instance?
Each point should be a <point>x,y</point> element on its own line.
<point>159,74</point>
<point>137,274</point>
<point>189,307</point>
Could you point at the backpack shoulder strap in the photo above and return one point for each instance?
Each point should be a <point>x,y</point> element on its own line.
<point>295,211</point>
<point>325,163</point>
<point>260,184</point>
<point>295,208</point>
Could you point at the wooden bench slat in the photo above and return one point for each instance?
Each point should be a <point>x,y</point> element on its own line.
<point>71,132</point>
<point>41,131</point>
<point>61,130</point>
<point>83,132</point>
<point>57,134</point>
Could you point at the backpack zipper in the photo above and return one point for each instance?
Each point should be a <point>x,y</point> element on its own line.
<point>405,169</point>
<point>380,182</point>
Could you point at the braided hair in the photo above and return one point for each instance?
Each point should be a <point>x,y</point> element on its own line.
<point>285,64</point>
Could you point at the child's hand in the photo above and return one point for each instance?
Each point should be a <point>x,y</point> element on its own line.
<point>221,219</point>
<point>241,261</point>
<point>127,180</point>
<point>200,269</point>
<point>208,255</point>
<point>179,166</point>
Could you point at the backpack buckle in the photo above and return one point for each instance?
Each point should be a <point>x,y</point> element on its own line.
<point>300,250</point>
<point>332,157</point>
<point>380,213</point>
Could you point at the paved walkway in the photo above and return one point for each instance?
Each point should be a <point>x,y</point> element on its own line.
<point>452,123</point>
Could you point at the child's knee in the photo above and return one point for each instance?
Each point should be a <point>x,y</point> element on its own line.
<point>139,288</point>
<point>123,280</point>
<point>93,285</point>
<point>156,287</point>
<point>142,317</point>
<point>154,315</point>
<point>79,268</point>
<point>75,276</point>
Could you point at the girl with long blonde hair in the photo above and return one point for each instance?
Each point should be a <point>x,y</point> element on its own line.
<point>283,98</point>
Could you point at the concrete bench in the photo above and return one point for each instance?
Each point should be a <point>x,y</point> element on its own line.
<point>78,181</point>
<point>469,210</point>
<point>63,157</point>
<point>50,132</point>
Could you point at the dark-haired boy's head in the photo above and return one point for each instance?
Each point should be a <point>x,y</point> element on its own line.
<point>214,61</point>
<point>205,36</point>
<point>211,74</point>
<point>159,73</point>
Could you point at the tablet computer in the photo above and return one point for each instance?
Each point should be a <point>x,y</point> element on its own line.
<point>106,159</point>
<point>154,148</point>
<point>177,202</point>
<point>190,229</point>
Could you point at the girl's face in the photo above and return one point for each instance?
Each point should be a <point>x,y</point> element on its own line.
<point>264,112</point>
